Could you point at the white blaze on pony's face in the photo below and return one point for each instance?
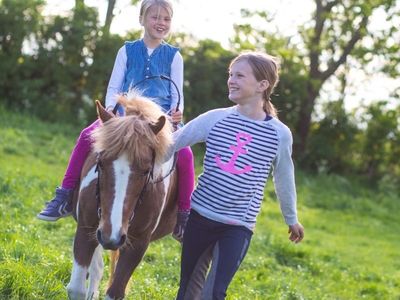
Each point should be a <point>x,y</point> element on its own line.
<point>120,186</point>
<point>121,174</point>
<point>128,148</point>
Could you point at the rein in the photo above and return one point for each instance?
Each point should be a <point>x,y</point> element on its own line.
<point>163,77</point>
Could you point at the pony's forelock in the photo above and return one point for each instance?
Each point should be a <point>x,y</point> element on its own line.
<point>131,133</point>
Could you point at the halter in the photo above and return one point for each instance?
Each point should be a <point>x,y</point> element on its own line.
<point>149,174</point>
<point>149,179</point>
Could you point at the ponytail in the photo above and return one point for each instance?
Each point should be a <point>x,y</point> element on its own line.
<point>269,108</point>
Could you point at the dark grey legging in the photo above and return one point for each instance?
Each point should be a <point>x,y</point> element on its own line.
<point>205,240</point>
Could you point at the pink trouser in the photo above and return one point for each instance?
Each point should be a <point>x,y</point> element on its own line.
<point>78,157</point>
<point>184,164</point>
<point>185,168</point>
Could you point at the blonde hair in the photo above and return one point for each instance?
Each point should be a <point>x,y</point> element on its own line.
<point>132,133</point>
<point>264,67</point>
<point>146,4</point>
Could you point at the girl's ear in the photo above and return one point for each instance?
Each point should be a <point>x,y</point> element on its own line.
<point>263,85</point>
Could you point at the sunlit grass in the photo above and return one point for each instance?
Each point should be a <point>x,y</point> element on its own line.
<point>351,249</point>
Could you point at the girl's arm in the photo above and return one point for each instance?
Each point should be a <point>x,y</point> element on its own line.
<point>193,132</point>
<point>177,77</point>
<point>196,130</point>
<point>117,79</point>
<point>283,177</point>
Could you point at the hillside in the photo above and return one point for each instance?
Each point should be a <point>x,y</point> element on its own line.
<point>350,251</point>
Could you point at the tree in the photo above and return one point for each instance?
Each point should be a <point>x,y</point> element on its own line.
<point>65,52</point>
<point>339,30</point>
<point>332,141</point>
<point>206,68</point>
<point>291,88</point>
<point>380,143</point>
<point>109,17</point>
<point>19,20</point>
<point>106,47</point>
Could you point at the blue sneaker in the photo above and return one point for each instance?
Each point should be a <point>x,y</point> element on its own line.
<point>60,206</point>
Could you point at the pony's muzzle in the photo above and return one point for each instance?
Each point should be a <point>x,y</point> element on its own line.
<point>108,243</point>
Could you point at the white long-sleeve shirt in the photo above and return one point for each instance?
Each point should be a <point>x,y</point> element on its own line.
<point>240,153</point>
<point>118,76</point>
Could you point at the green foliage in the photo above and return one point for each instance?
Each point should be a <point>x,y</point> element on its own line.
<point>99,71</point>
<point>60,53</point>
<point>206,60</point>
<point>342,31</point>
<point>54,67</point>
<point>292,86</point>
<point>292,89</point>
<point>380,143</point>
<point>19,19</point>
<point>65,50</point>
<point>330,148</point>
<point>350,249</point>
<point>368,146</point>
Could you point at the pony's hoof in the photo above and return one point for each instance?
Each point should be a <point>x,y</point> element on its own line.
<point>74,295</point>
<point>93,296</point>
<point>109,298</point>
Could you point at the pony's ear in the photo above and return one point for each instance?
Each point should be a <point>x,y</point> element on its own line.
<point>156,127</point>
<point>102,113</point>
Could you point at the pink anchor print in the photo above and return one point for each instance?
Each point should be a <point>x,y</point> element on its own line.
<point>242,139</point>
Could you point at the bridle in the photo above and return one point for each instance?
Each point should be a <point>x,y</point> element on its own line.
<point>149,180</point>
<point>150,174</point>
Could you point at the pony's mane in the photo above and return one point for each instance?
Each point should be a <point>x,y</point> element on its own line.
<point>131,133</point>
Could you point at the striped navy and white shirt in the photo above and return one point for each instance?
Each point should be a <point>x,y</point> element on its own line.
<point>240,154</point>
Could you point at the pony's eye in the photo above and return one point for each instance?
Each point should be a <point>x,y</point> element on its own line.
<point>146,172</point>
<point>141,172</point>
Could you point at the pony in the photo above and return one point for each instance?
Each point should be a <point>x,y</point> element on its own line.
<point>127,196</point>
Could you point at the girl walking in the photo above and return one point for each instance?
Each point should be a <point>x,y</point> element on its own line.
<point>245,143</point>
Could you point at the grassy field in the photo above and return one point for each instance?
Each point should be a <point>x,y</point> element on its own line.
<point>351,249</point>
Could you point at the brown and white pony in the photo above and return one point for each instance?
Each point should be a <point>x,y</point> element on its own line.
<point>127,196</point>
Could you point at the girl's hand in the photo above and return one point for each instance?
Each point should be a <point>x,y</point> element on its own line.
<point>176,116</point>
<point>296,233</point>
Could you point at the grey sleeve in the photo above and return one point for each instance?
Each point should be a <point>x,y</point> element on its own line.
<point>193,132</point>
<point>197,130</point>
<point>284,179</point>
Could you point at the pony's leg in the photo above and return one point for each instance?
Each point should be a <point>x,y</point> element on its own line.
<point>84,248</point>
<point>76,287</point>
<point>95,273</point>
<point>129,259</point>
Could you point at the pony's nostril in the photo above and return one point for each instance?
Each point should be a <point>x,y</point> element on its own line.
<point>108,243</point>
<point>99,239</point>
<point>123,239</point>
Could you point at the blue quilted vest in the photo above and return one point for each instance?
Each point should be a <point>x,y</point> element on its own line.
<point>140,65</point>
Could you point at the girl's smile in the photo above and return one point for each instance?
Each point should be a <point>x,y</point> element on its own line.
<point>245,90</point>
<point>157,24</point>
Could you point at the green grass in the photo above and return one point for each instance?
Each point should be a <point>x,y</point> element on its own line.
<point>351,249</point>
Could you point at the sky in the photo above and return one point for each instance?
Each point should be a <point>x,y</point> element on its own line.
<point>214,19</point>
<point>211,19</point>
